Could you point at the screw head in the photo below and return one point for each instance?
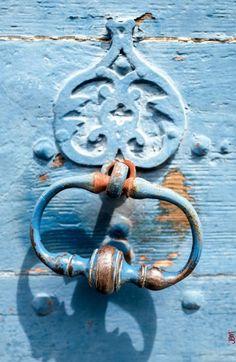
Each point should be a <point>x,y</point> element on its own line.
<point>44,148</point>
<point>200,145</point>
<point>43,304</point>
<point>192,300</point>
<point>225,146</point>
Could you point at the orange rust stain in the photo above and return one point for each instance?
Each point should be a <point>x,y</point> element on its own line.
<point>144,258</point>
<point>100,182</point>
<point>163,263</point>
<point>43,177</point>
<point>146,16</point>
<point>173,255</point>
<point>58,161</point>
<point>176,181</point>
<point>36,271</point>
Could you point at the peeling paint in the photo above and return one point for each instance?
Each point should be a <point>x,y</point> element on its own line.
<point>144,258</point>
<point>146,16</point>
<point>176,181</point>
<point>173,255</point>
<point>43,177</point>
<point>179,58</point>
<point>163,263</point>
<point>103,39</point>
<point>34,271</point>
<point>58,161</point>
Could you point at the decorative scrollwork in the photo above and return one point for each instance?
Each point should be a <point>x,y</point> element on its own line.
<point>120,106</point>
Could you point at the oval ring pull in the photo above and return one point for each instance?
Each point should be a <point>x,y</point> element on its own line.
<point>107,269</point>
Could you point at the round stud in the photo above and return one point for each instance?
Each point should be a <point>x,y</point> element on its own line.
<point>44,148</point>
<point>172,133</point>
<point>225,146</point>
<point>43,304</point>
<point>192,301</point>
<point>200,145</point>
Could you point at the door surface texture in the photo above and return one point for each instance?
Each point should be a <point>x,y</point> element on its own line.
<point>44,46</point>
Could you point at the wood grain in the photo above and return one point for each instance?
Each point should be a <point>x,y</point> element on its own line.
<point>114,325</point>
<point>88,18</point>
<point>27,99</point>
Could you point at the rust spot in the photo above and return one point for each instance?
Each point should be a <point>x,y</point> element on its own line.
<point>129,187</point>
<point>58,161</point>
<point>147,16</point>
<point>176,181</point>
<point>154,279</point>
<point>105,279</point>
<point>43,177</point>
<point>100,182</point>
<point>163,263</point>
<point>179,58</point>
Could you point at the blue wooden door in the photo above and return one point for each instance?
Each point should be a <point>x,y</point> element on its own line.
<point>47,317</point>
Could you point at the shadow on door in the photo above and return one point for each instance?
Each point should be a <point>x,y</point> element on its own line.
<point>81,333</point>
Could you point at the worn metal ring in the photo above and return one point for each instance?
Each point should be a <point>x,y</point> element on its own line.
<point>107,269</point>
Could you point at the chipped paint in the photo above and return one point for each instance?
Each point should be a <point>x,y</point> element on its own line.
<point>58,161</point>
<point>179,58</point>
<point>173,255</point>
<point>163,263</point>
<point>176,181</point>
<point>144,258</point>
<point>43,177</point>
<point>106,269</point>
<point>147,16</point>
<point>35,271</point>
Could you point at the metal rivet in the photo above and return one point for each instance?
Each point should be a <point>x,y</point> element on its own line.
<point>123,65</point>
<point>44,148</point>
<point>43,304</point>
<point>192,300</point>
<point>172,133</point>
<point>225,146</point>
<point>101,71</point>
<point>62,135</point>
<point>200,145</point>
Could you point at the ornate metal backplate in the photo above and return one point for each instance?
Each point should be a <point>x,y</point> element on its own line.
<point>120,106</point>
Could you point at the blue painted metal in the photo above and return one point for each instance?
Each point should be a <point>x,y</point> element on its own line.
<point>121,105</point>
<point>106,269</point>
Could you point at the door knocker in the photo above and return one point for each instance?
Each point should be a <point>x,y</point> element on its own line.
<point>146,136</point>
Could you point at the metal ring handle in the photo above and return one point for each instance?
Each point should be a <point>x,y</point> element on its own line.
<point>153,277</point>
<point>107,269</point>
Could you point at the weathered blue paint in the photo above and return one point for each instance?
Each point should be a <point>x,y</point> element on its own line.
<point>111,262</point>
<point>117,179</point>
<point>134,324</point>
<point>145,127</point>
<point>83,21</point>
